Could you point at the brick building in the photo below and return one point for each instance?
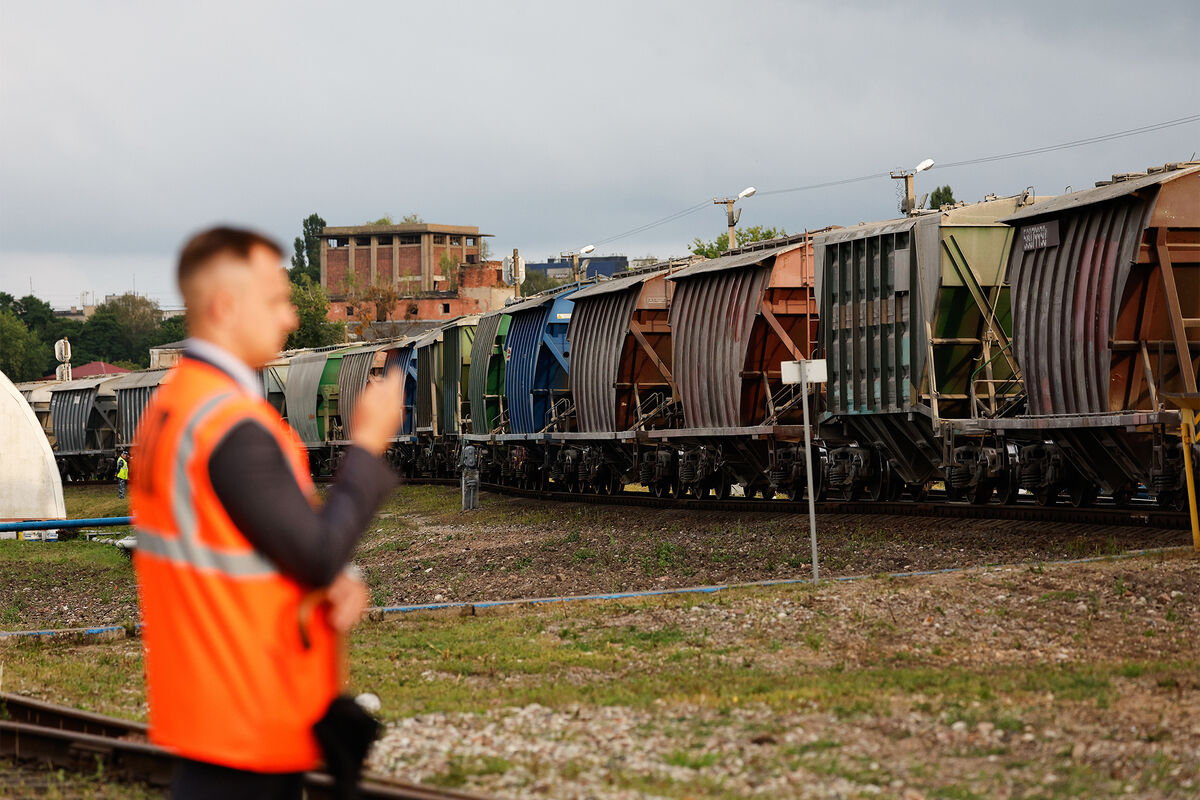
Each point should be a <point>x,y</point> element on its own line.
<point>436,269</point>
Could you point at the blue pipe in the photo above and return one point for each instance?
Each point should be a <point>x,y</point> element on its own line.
<point>58,524</point>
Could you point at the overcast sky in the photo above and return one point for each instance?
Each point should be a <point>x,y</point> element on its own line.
<point>124,126</point>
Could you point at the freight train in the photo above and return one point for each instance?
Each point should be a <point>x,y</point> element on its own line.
<point>1017,346</point>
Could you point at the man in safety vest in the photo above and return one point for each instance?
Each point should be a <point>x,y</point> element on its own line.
<point>231,543</point>
<point>122,473</point>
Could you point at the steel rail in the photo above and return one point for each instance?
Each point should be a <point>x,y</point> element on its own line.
<point>80,741</point>
<point>1148,517</point>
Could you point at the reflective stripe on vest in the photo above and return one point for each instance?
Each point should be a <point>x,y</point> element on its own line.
<point>186,548</point>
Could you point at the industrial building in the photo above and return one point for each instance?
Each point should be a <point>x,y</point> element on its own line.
<point>436,271</point>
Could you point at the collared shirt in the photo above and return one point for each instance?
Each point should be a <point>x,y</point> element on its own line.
<point>225,361</point>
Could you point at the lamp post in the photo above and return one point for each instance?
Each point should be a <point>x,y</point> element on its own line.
<point>732,216</point>
<point>908,176</point>
<point>575,254</point>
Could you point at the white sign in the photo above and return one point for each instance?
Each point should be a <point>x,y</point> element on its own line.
<point>813,370</point>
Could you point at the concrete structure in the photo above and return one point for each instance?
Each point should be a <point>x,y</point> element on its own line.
<point>165,356</point>
<point>30,487</point>
<point>436,271</point>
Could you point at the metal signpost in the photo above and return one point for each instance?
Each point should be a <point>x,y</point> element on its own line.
<point>806,373</point>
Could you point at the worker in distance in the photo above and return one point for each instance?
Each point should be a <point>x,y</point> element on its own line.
<point>233,547</point>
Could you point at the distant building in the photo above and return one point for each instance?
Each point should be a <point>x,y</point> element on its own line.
<point>76,313</point>
<point>589,266</point>
<point>165,356</point>
<point>437,270</point>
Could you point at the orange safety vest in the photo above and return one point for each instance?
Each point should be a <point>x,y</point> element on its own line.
<point>228,677</point>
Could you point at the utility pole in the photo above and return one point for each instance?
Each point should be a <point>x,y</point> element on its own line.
<point>732,215</point>
<point>516,267</point>
<point>909,205</point>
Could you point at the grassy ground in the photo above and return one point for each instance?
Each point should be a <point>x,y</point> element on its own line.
<point>1027,681</point>
<point>1059,681</point>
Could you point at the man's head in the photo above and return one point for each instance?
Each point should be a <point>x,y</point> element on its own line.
<point>237,293</point>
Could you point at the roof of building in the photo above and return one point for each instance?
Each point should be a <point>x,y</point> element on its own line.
<point>94,369</point>
<point>408,227</point>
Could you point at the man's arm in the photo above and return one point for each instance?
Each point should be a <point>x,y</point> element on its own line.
<point>254,483</point>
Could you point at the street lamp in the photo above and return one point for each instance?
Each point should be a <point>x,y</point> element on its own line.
<point>732,216</point>
<point>575,254</point>
<point>910,203</point>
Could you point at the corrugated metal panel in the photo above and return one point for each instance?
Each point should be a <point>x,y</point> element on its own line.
<point>618,284</point>
<point>304,381</point>
<point>403,357</point>
<point>79,422</point>
<point>71,409</point>
<point>456,357</point>
<point>712,315</point>
<point>486,383</point>
<point>1068,203</point>
<point>736,261</point>
<point>352,379</point>
<point>599,325</point>
<point>429,368</point>
<point>1065,301</point>
<point>133,392</point>
<point>535,375</point>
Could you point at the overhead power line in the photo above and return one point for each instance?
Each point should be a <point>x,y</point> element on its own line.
<point>1107,137</point>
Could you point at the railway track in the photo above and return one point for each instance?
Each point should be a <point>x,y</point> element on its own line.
<point>1145,515</point>
<point>36,732</point>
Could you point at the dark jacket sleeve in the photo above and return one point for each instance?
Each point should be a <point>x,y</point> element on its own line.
<point>254,483</point>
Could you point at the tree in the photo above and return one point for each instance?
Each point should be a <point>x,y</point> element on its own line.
<point>22,355</point>
<point>745,236</point>
<point>448,264</point>
<point>538,280</point>
<point>138,316</point>
<point>408,219</point>
<point>312,306</point>
<point>307,257</point>
<point>941,196</point>
<point>172,329</point>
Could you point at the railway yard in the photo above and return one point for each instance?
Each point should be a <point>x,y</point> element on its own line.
<point>1015,675</point>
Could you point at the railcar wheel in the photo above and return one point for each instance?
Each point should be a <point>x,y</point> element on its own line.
<point>721,490</point>
<point>1172,501</point>
<point>660,489</point>
<point>794,492</point>
<point>1006,492</point>
<point>1122,497</point>
<point>981,493</point>
<point>1083,494</point>
<point>1046,496</point>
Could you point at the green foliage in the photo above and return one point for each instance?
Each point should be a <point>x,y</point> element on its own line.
<point>312,306</point>
<point>537,280</point>
<point>941,196</point>
<point>306,260</point>
<point>22,355</point>
<point>448,265</point>
<point>745,236</point>
<point>387,219</point>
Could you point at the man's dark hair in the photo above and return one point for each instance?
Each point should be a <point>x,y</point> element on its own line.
<point>205,246</point>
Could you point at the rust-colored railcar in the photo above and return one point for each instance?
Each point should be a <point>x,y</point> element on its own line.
<point>1106,305</point>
